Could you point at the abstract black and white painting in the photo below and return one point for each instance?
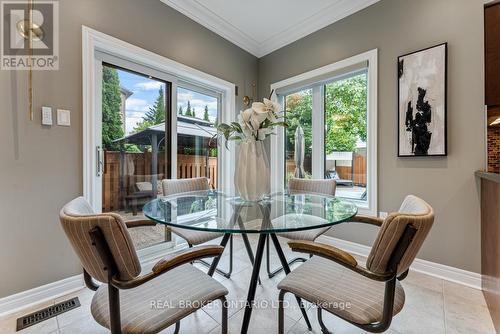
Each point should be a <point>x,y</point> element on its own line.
<point>422,102</point>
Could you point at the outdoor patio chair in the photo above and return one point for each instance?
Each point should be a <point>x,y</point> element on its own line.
<point>303,186</point>
<point>193,238</point>
<point>332,174</point>
<point>124,302</point>
<point>333,277</point>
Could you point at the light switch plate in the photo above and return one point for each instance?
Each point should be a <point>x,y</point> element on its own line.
<point>63,117</point>
<point>46,116</point>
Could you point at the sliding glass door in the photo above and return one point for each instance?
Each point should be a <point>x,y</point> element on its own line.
<point>135,148</point>
<point>150,126</point>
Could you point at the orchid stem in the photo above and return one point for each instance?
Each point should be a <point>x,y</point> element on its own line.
<point>271,94</point>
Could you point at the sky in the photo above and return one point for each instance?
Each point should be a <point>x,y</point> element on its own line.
<point>145,92</point>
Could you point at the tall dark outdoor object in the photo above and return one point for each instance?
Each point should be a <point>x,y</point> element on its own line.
<point>299,153</point>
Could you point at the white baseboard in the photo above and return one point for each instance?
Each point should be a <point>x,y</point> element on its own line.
<point>452,274</point>
<point>24,299</point>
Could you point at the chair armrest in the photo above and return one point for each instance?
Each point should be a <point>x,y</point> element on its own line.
<point>170,262</point>
<point>139,222</point>
<point>367,220</point>
<point>326,251</point>
<point>337,255</point>
<point>186,256</point>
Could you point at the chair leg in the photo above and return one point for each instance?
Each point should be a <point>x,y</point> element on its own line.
<point>177,327</point>
<point>168,234</point>
<point>272,273</point>
<point>224,315</point>
<point>324,330</point>
<point>114,310</point>
<point>89,282</point>
<point>281,312</point>
<point>219,271</point>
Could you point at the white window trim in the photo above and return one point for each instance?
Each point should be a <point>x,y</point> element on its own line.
<point>93,41</point>
<point>277,142</point>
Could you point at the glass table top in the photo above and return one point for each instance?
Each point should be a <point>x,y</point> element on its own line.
<point>215,211</point>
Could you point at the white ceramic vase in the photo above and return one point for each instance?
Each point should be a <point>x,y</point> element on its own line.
<point>252,175</point>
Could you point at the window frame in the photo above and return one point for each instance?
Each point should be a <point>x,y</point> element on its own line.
<point>316,79</point>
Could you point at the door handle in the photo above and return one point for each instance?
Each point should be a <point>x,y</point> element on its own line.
<point>100,160</point>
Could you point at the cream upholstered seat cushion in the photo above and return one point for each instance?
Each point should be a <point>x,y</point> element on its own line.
<point>326,187</point>
<point>307,235</point>
<point>340,291</point>
<point>194,237</point>
<point>161,302</point>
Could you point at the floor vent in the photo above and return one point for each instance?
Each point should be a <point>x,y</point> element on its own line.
<point>47,313</point>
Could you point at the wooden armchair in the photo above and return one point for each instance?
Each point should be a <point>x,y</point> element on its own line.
<point>367,297</point>
<point>128,302</point>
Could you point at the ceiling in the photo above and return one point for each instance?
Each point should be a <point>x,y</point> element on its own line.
<point>262,26</point>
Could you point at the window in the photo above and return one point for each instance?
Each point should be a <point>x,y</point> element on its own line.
<point>332,117</point>
<point>197,150</point>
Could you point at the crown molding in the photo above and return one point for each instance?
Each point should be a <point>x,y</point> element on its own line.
<point>324,18</point>
<point>207,18</point>
<point>210,20</point>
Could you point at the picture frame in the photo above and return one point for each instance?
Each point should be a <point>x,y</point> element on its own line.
<point>422,102</point>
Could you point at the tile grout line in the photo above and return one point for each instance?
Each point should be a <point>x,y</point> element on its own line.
<point>444,308</point>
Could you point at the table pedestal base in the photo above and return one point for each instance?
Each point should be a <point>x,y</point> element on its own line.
<point>254,280</point>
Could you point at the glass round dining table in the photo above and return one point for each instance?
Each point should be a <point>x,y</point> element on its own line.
<point>217,211</point>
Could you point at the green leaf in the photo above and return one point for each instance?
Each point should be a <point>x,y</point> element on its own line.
<point>237,126</point>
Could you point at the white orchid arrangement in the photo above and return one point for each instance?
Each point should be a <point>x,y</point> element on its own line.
<point>255,123</point>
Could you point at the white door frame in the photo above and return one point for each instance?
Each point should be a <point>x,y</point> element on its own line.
<point>93,41</point>
<point>308,78</point>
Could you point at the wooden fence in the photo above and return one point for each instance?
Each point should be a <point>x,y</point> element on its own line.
<point>357,173</point>
<point>137,168</point>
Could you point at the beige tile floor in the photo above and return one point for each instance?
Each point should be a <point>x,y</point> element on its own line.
<point>432,306</point>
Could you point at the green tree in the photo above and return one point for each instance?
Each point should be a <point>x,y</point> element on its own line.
<point>112,127</point>
<point>193,113</point>
<point>205,115</point>
<point>181,112</point>
<point>345,114</point>
<point>299,112</point>
<point>155,114</point>
<point>188,110</point>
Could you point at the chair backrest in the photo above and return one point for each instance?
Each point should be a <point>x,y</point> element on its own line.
<point>78,219</point>
<point>415,212</point>
<point>177,186</point>
<point>307,186</point>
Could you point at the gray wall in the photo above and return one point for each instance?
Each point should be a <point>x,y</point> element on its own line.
<point>397,27</point>
<point>41,168</point>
